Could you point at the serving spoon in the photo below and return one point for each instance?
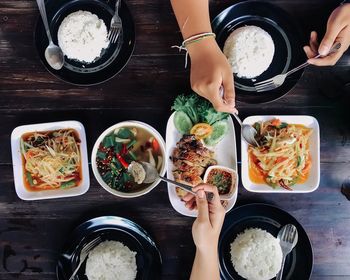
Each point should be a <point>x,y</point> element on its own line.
<point>53,53</point>
<point>152,175</point>
<point>248,132</point>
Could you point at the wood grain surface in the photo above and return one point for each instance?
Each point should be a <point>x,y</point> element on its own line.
<point>33,233</point>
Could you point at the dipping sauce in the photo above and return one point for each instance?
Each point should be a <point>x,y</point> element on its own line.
<point>222,179</point>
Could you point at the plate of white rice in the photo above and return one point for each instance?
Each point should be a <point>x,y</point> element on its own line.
<point>80,28</point>
<point>111,260</point>
<point>126,251</point>
<point>259,40</point>
<point>249,249</point>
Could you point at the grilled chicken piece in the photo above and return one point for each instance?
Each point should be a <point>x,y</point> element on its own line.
<point>190,159</point>
<point>190,143</point>
<point>193,157</point>
<point>187,166</point>
<point>187,178</point>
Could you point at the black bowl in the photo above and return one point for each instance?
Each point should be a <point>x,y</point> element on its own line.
<point>286,37</point>
<point>112,59</point>
<point>298,263</point>
<point>148,258</point>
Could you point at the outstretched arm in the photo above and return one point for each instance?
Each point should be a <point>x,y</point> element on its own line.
<point>206,230</point>
<point>209,66</point>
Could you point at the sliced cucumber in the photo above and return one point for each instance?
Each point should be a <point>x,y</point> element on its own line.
<point>220,129</point>
<point>182,122</point>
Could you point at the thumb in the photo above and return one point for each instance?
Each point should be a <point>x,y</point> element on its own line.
<point>329,38</point>
<point>202,205</point>
<point>229,89</point>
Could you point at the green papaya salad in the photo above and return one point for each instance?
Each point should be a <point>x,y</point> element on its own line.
<point>195,115</point>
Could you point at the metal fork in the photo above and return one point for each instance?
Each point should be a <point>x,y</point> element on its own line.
<point>116,24</point>
<point>288,237</point>
<point>84,253</point>
<point>278,80</point>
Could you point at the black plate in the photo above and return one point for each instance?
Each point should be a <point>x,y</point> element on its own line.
<point>148,258</point>
<point>112,59</point>
<point>298,263</point>
<point>285,34</point>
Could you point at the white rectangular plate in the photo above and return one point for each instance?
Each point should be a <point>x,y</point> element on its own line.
<point>21,190</point>
<point>312,182</point>
<point>225,154</point>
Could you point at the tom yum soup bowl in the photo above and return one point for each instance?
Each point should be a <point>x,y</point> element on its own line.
<point>117,147</point>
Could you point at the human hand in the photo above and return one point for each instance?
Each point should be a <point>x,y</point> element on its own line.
<point>338,30</point>
<point>209,71</point>
<point>206,228</point>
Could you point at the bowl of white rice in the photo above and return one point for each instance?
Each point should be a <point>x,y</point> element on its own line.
<point>249,50</point>
<point>125,251</point>
<point>256,254</point>
<point>81,29</point>
<point>111,260</point>
<point>248,247</point>
<point>260,41</point>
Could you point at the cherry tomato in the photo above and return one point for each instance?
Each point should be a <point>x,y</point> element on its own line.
<point>201,130</point>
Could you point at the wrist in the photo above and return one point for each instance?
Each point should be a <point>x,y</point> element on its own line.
<point>202,47</point>
<point>210,249</point>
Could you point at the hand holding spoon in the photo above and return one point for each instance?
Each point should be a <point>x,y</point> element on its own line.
<point>151,174</point>
<point>247,131</point>
<point>53,53</point>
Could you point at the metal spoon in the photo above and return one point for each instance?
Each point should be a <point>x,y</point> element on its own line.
<point>53,53</point>
<point>152,175</point>
<point>247,131</point>
<point>288,237</point>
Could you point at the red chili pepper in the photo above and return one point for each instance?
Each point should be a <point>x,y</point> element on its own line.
<point>122,161</point>
<point>283,185</point>
<point>155,145</point>
<point>124,150</point>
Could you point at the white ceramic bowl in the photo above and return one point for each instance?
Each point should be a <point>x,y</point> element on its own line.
<point>18,173</point>
<point>313,180</point>
<point>135,124</point>
<point>234,186</point>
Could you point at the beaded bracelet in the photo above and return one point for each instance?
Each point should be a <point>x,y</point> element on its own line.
<point>191,40</point>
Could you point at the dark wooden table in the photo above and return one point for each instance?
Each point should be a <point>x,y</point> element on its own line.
<point>32,233</point>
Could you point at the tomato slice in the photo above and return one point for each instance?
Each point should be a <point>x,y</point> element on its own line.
<point>201,130</point>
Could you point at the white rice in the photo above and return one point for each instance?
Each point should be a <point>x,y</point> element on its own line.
<point>111,260</point>
<point>82,36</point>
<point>256,255</point>
<point>249,50</point>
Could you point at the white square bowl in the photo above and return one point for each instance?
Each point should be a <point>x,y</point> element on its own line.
<point>18,173</point>
<point>313,181</point>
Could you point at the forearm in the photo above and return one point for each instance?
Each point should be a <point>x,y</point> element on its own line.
<point>206,265</point>
<point>192,16</point>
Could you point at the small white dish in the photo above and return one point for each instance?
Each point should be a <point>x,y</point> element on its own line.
<point>109,130</point>
<point>18,173</point>
<point>313,181</point>
<point>225,154</point>
<point>234,186</point>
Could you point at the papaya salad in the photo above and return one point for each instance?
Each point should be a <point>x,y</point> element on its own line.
<point>51,159</point>
<point>282,158</point>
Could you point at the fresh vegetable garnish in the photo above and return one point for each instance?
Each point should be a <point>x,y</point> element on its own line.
<point>182,122</point>
<point>220,129</point>
<point>192,110</point>
<point>198,109</point>
<point>201,130</point>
